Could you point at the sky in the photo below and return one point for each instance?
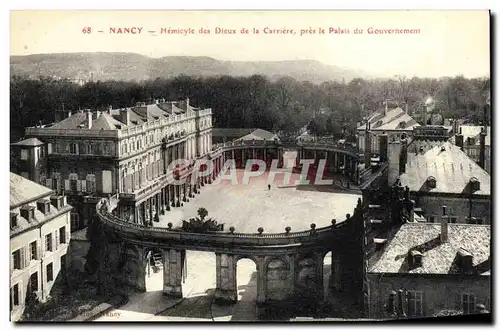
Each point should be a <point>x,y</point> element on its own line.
<point>448,43</point>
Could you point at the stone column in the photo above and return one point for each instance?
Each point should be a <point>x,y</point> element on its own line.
<point>319,275</point>
<point>136,214</point>
<point>177,195</point>
<point>143,207</point>
<point>172,273</point>
<point>225,278</point>
<point>261,282</point>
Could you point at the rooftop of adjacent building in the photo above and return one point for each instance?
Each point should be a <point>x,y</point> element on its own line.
<point>437,257</point>
<point>451,169</point>
<point>259,134</point>
<point>231,132</point>
<point>115,119</point>
<point>23,191</point>
<point>473,131</point>
<point>30,142</point>
<point>389,120</point>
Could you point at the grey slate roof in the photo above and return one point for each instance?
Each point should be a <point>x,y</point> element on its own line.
<point>451,168</point>
<point>438,257</point>
<point>31,142</point>
<point>390,120</point>
<point>23,190</point>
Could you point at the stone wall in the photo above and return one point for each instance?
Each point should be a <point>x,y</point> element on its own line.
<point>439,291</point>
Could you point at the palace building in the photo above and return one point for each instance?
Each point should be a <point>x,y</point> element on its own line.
<point>93,154</point>
<point>39,240</point>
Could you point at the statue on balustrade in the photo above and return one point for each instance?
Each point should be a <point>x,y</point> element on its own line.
<point>200,224</point>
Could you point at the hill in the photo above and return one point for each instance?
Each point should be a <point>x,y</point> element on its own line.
<point>131,66</point>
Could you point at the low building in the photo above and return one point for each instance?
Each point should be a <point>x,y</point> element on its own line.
<point>222,135</point>
<point>425,269</point>
<point>39,239</point>
<point>259,134</point>
<point>394,122</point>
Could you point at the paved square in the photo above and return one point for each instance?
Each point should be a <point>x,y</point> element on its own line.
<point>248,207</point>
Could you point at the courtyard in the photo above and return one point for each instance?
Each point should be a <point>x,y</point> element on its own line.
<point>247,207</point>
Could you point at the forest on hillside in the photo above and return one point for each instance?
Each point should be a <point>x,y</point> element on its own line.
<point>254,101</point>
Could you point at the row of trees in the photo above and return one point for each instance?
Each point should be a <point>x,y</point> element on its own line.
<point>255,101</point>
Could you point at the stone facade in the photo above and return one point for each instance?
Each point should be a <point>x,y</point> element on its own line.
<point>39,241</point>
<point>438,292</point>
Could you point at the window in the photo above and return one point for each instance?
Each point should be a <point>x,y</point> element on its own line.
<point>431,219</point>
<point>33,251</point>
<point>89,149</point>
<point>16,258</point>
<point>452,219</point>
<point>48,242</point>
<point>50,272</point>
<point>42,152</point>
<point>24,154</point>
<point>73,185</point>
<point>468,303</point>
<point>62,235</point>
<point>38,153</point>
<point>75,224</point>
<point>415,303</point>
<point>13,221</point>
<point>33,283</point>
<point>72,148</point>
<point>15,295</point>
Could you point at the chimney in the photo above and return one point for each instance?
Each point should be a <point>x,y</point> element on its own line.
<point>383,145</point>
<point>459,139</point>
<point>69,113</point>
<point>187,103</point>
<point>403,156</point>
<point>125,116</point>
<point>110,108</point>
<point>368,146</point>
<point>444,227</point>
<point>406,107</point>
<point>386,109</point>
<point>89,119</point>
<point>482,148</point>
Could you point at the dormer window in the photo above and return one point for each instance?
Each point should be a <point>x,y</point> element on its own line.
<point>474,184</point>
<point>28,212</point>
<point>431,182</point>
<point>43,206</point>
<point>13,220</point>
<point>415,259</point>
<point>464,260</point>
<point>471,141</point>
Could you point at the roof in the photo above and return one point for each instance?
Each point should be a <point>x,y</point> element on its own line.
<point>438,257</point>
<point>111,119</point>
<point>393,119</point>
<point>451,168</point>
<point>23,190</point>
<point>473,131</point>
<point>32,142</point>
<point>230,132</point>
<point>259,134</point>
